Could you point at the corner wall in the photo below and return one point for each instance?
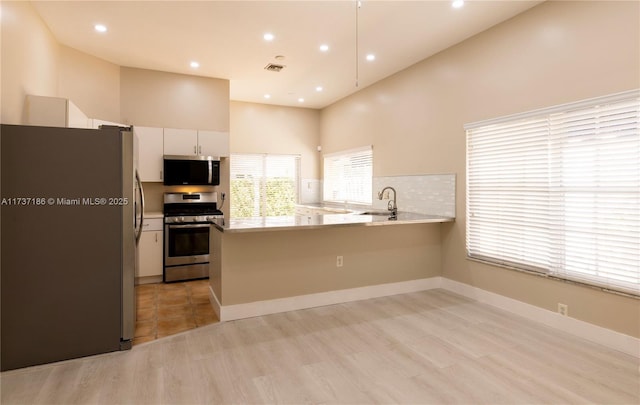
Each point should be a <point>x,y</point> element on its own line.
<point>93,84</point>
<point>171,100</point>
<point>554,53</point>
<point>30,57</point>
<point>261,128</point>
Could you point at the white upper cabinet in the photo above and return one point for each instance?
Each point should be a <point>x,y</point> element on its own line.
<point>150,151</point>
<point>180,141</point>
<point>54,112</point>
<point>195,142</point>
<point>75,117</point>
<point>213,143</point>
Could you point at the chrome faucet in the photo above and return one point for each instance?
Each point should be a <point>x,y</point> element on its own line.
<point>391,206</point>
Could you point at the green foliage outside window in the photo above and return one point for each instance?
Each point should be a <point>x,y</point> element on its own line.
<point>243,198</point>
<point>279,195</point>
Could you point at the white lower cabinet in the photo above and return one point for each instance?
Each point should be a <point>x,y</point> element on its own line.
<point>150,249</point>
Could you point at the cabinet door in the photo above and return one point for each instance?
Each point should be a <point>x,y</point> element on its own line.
<point>150,152</point>
<point>213,143</point>
<point>75,117</point>
<point>150,250</point>
<point>180,141</point>
<point>54,112</point>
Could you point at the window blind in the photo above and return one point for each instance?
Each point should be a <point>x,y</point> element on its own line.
<point>558,191</point>
<point>264,185</point>
<point>348,176</point>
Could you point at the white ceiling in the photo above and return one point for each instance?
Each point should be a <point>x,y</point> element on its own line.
<point>226,38</point>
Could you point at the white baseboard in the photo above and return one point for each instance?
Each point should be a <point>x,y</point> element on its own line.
<point>597,334</point>
<point>215,303</point>
<point>606,337</point>
<point>258,308</point>
<point>148,280</point>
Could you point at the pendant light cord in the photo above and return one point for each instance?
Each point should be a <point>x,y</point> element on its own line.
<point>357,65</point>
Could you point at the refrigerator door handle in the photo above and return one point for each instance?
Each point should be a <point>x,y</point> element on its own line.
<point>139,230</point>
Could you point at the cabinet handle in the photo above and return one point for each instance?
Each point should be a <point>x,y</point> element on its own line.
<point>194,149</point>
<point>156,237</point>
<point>200,150</point>
<point>160,174</point>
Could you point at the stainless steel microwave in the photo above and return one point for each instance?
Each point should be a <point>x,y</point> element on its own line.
<point>191,170</point>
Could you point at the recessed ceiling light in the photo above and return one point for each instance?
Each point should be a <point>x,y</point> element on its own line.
<point>267,96</point>
<point>194,64</point>
<point>319,88</point>
<point>371,57</point>
<point>457,3</point>
<point>301,100</point>
<point>324,47</point>
<point>268,36</point>
<point>100,28</point>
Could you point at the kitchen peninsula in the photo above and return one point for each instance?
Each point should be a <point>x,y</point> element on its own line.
<point>272,264</point>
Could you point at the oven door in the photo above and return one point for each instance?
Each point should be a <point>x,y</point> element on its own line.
<point>186,244</point>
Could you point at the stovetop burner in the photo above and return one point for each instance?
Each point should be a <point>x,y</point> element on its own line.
<point>191,207</point>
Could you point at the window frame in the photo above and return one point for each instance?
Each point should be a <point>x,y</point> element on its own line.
<point>359,156</point>
<point>561,164</point>
<point>260,188</point>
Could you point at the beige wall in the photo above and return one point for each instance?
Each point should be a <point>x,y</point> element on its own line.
<point>30,56</point>
<point>261,128</point>
<point>554,53</point>
<point>298,262</point>
<point>170,100</point>
<point>34,63</point>
<point>91,83</point>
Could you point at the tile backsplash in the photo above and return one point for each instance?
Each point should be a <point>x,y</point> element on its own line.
<point>310,191</point>
<point>432,194</point>
<point>429,194</point>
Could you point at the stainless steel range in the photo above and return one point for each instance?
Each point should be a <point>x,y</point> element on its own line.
<point>187,219</point>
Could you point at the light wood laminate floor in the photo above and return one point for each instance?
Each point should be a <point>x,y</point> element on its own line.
<point>427,347</point>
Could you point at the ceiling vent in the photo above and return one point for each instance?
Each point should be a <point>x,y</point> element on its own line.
<point>272,67</point>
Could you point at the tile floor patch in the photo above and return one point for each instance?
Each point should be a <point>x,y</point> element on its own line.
<point>167,309</point>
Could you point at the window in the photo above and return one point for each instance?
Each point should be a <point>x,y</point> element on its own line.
<point>348,176</point>
<point>264,185</point>
<point>558,191</point>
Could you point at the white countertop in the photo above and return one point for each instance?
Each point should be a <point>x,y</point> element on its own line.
<point>299,222</point>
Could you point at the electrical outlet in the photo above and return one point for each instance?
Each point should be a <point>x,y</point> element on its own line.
<point>563,309</point>
<point>339,261</point>
<point>386,195</point>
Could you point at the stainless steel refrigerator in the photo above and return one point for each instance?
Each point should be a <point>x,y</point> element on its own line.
<point>70,217</point>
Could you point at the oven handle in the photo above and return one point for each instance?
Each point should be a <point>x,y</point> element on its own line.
<point>170,226</point>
